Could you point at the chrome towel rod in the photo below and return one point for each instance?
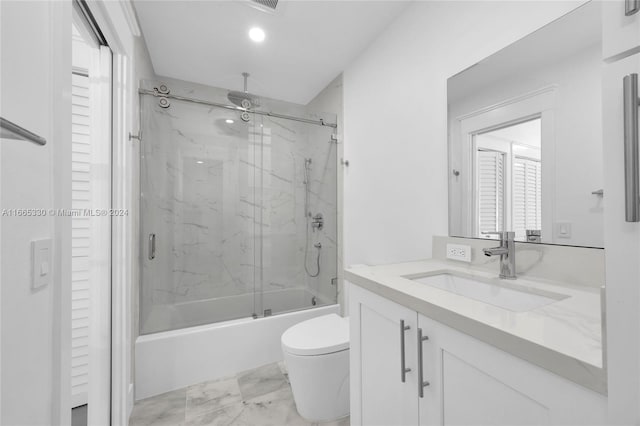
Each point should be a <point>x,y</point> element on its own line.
<point>13,131</point>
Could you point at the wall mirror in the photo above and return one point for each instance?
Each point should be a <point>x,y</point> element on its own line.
<point>525,137</point>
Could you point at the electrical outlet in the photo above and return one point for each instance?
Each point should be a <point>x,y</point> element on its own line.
<point>459,252</point>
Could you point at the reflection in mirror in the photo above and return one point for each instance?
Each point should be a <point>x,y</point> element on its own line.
<point>525,145</point>
<point>508,176</point>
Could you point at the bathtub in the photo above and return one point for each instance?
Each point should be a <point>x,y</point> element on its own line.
<point>170,360</point>
<point>208,311</point>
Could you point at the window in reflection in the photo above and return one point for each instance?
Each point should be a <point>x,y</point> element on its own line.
<point>508,179</point>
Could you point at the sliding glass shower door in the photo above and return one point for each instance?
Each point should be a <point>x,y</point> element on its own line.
<point>198,211</point>
<point>224,228</point>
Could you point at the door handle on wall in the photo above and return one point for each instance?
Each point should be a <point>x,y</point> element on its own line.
<point>403,369</point>
<point>421,382</point>
<point>631,173</point>
<point>152,246</point>
<point>631,7</point>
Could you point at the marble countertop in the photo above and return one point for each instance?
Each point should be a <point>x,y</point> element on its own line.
<point>564,337</point>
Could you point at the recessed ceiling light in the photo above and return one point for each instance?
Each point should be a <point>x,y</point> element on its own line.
<point>256,34</point>
<point>228,121</point>
<point>200,162</point>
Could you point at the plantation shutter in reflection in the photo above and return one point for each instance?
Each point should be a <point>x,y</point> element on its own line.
<point>527,196</point>
<point>80,236</point>
<point>490,191</point>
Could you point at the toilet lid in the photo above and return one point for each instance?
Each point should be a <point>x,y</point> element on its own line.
<point>317,336</point>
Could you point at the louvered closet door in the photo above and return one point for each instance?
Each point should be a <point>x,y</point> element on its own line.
<point>80,234</point>
<point>490,190</point>
<point>527,196</point>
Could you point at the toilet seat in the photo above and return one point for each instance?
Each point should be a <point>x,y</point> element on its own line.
<point>318,336</point>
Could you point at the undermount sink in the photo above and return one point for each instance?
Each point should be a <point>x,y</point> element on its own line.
<point>508,296</point>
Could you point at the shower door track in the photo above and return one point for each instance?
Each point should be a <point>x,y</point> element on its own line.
<point>158,94</point>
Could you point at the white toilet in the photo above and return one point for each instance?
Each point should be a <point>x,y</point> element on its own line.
<point>316,354</point>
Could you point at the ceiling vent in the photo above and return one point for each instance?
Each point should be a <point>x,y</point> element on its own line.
<point>264,5</point>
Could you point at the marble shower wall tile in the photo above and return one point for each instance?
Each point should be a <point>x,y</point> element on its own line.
<point>226,201</point>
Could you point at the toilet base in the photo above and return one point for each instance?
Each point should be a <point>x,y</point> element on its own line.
<point>320,384</point>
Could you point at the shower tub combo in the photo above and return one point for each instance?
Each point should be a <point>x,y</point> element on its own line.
<point>239,228</point>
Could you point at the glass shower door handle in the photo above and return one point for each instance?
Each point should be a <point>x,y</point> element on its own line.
<point>152,246</point>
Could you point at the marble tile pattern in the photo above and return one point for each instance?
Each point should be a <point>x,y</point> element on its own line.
<point>226,202</point>
<point>564,337</point>
<point>257,397</point>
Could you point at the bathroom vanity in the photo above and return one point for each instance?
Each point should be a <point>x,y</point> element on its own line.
<point>440,342</point>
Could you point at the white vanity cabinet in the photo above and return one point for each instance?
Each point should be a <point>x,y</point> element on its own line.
<point>380,397</point>
<point>621,33</point>
<point>475,383</point>
<point>465,381</point>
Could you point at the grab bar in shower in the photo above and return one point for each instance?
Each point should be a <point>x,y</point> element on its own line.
<point>11,130</point>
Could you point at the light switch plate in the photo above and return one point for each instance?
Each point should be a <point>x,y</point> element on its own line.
<point>40,263</point>
<point>459,252</point>
<point>563,229</point>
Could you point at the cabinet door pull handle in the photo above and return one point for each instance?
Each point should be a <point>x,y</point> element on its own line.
<point>421,382</point>
<point>403,369</point>
<point>631,173</point>
<point>631,7</point>
<point>152,246</point>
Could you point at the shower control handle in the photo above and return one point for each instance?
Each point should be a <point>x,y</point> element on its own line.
<point>403,368</point>
<point>152,246</point>
<point>317,222</point>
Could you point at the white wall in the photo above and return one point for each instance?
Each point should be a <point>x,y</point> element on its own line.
<point>395,113</point>
<point>35,88</point>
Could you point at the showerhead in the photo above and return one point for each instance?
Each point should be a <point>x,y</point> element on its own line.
<point>244,99</point>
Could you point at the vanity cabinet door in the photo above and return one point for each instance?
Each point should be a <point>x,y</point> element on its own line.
<point>474,383</point>
<point>621,33</point>
<point>378,395</point>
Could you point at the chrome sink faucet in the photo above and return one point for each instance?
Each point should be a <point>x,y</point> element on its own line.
<point>507,253</point>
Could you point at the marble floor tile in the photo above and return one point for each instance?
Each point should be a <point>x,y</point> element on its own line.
<point>283,368</point>
<point>261,381</point>
<point>226,416</point>
<point>259,397</point>
<point>271,409</point>
<point>167,409</point>
<point>211,396</point>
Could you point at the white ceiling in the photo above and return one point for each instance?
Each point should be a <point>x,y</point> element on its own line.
<point>308,42</point>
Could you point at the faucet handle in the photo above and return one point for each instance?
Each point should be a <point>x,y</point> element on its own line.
<point>504,235</point>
